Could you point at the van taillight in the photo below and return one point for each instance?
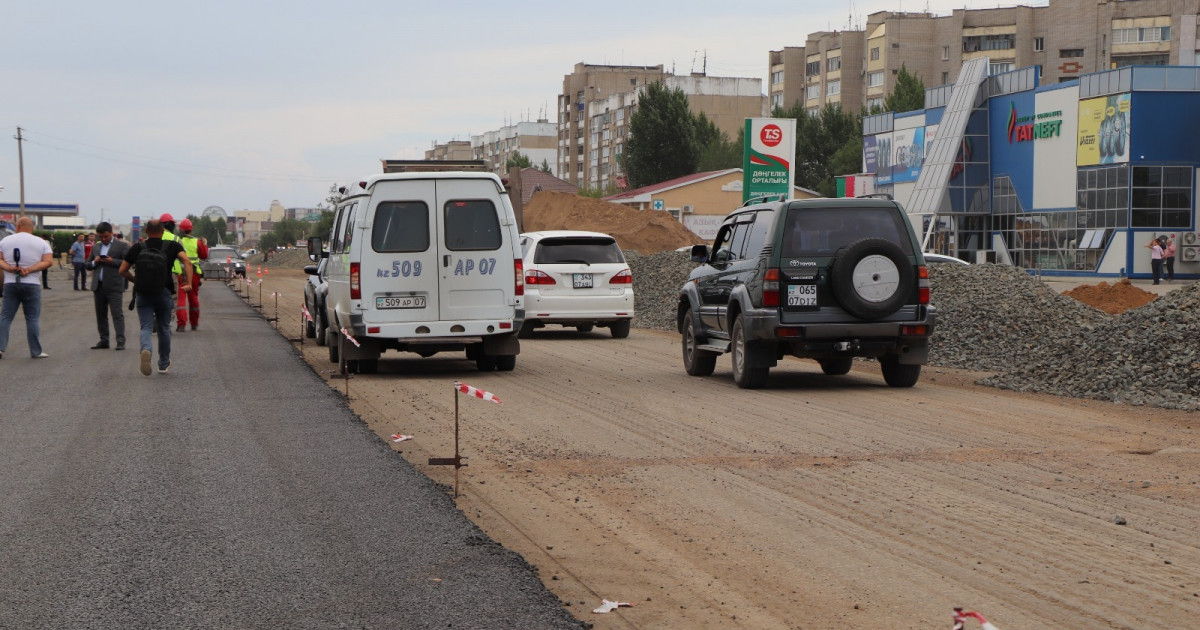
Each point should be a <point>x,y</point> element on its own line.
<point>519,272</point>
<point>355,287</point>
<point>771,288</point>
<point>923,285</point>
<point>624,277</point>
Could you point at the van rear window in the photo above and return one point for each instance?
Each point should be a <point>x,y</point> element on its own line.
<point>577,250</point>
<point>472,225</point>
<point>823,231</point>
<point>401,226</point>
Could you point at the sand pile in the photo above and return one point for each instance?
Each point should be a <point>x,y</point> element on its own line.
<point>1113,298</point>
<point>646,232</point>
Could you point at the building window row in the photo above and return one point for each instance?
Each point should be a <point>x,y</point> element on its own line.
<point>989,42</point>
<point>1141,35</point>
<point>812,68</point>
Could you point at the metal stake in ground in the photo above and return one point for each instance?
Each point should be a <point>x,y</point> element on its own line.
<point>457,460</point>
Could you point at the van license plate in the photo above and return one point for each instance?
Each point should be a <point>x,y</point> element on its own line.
<point>802,295</point>
<point>581,280</point>
<point>407,301</point>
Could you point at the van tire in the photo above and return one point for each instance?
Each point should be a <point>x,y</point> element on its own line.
<point>526,330</point>
<point>619,329</point>
<point>485,362</point>
<point>333,347</point>
<point>857,299</point>
<point>368,366</point>
<point>506,362</point>
<point>310,329</point>
<point>322,330</point>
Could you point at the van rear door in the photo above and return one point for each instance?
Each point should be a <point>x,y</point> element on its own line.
<point>399,272</point>
<point>476,252</point>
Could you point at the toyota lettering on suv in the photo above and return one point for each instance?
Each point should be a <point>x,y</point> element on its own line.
<point>822,279</point>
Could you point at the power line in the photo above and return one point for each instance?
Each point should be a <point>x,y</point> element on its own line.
<point>141,161</point>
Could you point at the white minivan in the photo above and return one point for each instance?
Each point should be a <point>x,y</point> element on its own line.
<point>424,262</point>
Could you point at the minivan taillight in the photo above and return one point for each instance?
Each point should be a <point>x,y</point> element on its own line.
<point>519,276</point>
<point>355,287</point>
<point>624,277</point>
<point>539,277</point>
<point>771,287</point>
<point>923,285</point>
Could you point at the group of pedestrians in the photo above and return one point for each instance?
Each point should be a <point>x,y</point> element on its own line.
<point>1162,258</point>
<point>166,262</point>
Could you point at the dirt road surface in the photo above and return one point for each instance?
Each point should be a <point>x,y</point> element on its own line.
<point>818,502</point>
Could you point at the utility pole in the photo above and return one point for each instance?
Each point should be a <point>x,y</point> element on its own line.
<point>21,166</point>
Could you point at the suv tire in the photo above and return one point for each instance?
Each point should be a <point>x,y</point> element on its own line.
<point>836,366</point>
<point>619,329</point>
<point>871,278</point>
<point>696,362</point>
<point>897,374</point>
<point>506,362</point>
<point>485,362</point>
<point>745,377</point>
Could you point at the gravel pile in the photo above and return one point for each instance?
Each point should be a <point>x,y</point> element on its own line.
<point>996,318</point>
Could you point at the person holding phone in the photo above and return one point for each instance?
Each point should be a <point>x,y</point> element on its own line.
<point>108,287</point>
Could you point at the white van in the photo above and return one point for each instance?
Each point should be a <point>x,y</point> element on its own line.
<point>426,263</point>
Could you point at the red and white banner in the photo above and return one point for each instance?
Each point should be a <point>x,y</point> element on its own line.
<point>347,335</point>
<point>478,393</point>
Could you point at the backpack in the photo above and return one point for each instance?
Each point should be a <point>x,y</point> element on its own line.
<point>153,271</point>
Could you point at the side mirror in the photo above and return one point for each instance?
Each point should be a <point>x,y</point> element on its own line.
<point>310,270</point>
<point>316,248</point>
<point>699,253</point>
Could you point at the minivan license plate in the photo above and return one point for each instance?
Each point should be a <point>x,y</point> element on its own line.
<point>406,301</point>
<point>802,295</point>
<point>581,280</point>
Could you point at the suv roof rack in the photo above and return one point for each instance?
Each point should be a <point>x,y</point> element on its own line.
<point>764,199</point>
<point>887,196</point>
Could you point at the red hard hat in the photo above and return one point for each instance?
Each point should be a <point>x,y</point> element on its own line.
<point>185,224</point>
<point>166,218</point>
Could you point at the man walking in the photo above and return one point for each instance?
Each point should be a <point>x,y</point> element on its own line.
<point>22,257</point>
<point>188,305</point>
<point>78,262</point>
<point>108,287</point>
<point>154,289</point>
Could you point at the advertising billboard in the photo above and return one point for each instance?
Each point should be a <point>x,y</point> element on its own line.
<point>1103,130</point>
<point>909,155</point>
<point>883,159</point>
<point>767,167</point>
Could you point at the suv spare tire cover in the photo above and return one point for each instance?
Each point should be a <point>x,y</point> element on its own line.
<point>871,278</point>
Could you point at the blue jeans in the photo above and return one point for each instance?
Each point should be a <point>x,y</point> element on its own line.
<point>28,295</point>
<point>160,310</point>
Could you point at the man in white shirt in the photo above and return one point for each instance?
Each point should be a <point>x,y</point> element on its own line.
<point>22,257</point>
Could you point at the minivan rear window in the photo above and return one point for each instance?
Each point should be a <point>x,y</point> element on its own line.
<point>401,226</point>
<point>472,225</point>
<point>589,250</point>
<point>823,231</point>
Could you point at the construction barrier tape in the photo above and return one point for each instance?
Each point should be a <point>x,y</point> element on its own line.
<point>396,437</point>
<point>478,393</point>
<point>304,311</point>
<point>347,335</point>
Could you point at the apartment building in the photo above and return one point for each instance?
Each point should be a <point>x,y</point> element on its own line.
<point>537,141</point>
<point>786,84</point>
<point>453,150</point>
<point>1066,39</point>
<point>593,138</point>
<point>587,83</point>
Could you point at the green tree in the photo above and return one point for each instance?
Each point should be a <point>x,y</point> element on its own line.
<point>717,151</point>
<point>908,95</point>
<point>288,231</point>
<point>212,230</point>
<point>662,138</point>
<point>519,160</point>
<point>268,241</point>
<point>324,226</point>
<point>819,139</point>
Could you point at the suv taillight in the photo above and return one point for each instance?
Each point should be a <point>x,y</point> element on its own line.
<point>771,287</point>
<point>922,285</point>
<point>539,277</point>
<point>519,275</point>
<point>624,277</point>
<point>355,287</point>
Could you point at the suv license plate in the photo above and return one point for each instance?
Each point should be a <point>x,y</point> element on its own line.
<point>802,295</point>
<point>581,280</point>
<point>407,301</point>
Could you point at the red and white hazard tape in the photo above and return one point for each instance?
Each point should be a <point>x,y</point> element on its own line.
<point>396,437</point>
<point>347,335</point>
<point>478,393</point>
<point>960,618</point>
<point>304,311</point>
<point>607,606</point>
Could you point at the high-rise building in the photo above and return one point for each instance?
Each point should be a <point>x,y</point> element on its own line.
<point>537,141</point>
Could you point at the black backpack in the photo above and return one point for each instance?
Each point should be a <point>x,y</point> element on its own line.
<point>152,270</point>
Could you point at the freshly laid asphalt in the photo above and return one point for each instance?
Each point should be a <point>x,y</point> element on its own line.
<point>237,491</point>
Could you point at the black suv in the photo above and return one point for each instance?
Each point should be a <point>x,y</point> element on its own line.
<point>824,279</point>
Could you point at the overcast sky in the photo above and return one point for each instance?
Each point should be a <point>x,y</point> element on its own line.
<point>138,108</point>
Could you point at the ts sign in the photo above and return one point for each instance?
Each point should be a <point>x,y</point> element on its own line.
<point>767,161</point>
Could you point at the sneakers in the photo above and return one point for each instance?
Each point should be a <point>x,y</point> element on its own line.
<point>194,326</point>
<point>163,370</point>
<point>180,328</point>
<point>146,362</point>
<point>41,356</point>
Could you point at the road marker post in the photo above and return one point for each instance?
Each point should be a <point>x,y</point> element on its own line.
<point>457,460</point>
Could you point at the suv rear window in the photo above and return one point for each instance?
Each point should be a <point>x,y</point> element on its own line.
<point>472,224</point>
<point>401,226</point>
<point>590,250</point>
<point>823,231</point>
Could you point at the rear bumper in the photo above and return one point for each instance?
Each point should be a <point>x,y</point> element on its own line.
<point>826,340</point>
<point>574,308</point>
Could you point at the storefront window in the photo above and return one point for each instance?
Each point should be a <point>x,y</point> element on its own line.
<point>1161,197</point>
